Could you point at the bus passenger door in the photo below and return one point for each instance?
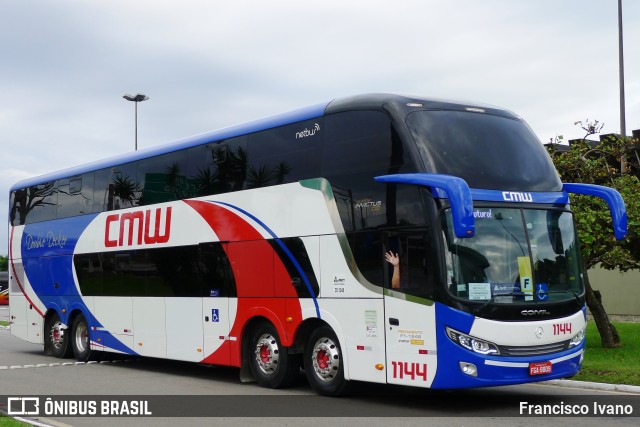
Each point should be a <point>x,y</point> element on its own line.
<point>215,312</point>
<point>219,302</point>
<point>410,327</point>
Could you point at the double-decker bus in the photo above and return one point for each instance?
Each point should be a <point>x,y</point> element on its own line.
<point>263,246</point>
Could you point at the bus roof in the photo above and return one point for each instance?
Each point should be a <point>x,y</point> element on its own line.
<point>390,102</point>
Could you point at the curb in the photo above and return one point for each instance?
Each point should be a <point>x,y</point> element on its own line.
<point>585,385</point>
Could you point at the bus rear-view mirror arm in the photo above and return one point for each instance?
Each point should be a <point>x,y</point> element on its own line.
<point>612,197</point>
<point>456,190</point>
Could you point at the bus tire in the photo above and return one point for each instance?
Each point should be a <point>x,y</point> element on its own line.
<point>271,364</point>
<point>324,364</point>
<point>56,337</point>
<point>80,342</point>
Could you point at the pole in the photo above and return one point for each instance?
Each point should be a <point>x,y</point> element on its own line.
<point>136,99</point>
<point>623,126</point>
<point>623,130</point>
<point>136,126</point>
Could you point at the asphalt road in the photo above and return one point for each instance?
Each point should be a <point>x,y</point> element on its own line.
<point>176,388</point>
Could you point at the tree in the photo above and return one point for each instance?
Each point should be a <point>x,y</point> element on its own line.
<point>613,162</point>
<point>3,263</point>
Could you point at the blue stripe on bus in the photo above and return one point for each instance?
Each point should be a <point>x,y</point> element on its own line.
<point>47,250</point>
<point>477,194</point>
<point>283,247</point>
<point>299,115</point>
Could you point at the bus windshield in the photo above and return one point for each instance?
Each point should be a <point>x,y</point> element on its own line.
<point>516,256</point>
<point>487,151</point>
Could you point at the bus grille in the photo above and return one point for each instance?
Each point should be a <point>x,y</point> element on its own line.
<point>533,350</point>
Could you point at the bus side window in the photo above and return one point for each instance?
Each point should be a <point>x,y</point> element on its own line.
<point>358,147</point>
<point>41,201</point>
<point>163,179</point>
<point>217,167</point>
<point>18,210</point>
<point>285,154</point>
<point>215,271</point>
<point>367,249</point>
<point>75,196</point>
<point>116,188</point>
<point>418,267</point>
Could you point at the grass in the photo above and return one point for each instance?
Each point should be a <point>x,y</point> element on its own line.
<point>612,365</point>
<point>4,323</point>
<point>10,422</point>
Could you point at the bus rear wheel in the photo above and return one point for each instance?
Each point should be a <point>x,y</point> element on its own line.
<point>56,337</point>
<point>324,365</point>
<point>271,364</point>
<point>80,339</point>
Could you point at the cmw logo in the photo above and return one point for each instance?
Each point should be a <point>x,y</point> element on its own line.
<point>308,132</point>
<point>514,196</point>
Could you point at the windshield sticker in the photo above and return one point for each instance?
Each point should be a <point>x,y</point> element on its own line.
<point>524,266</point>
<point>501,288</point>
<point>479,291</point>
<point>504,292</point>
<point>527,288</point>
<point>483,213</point>
<point>542,291</point>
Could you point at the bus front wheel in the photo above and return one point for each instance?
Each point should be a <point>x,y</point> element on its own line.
<point>271,364</point>
<point>323,362</point>
<point>56,337</point>
<point>80,339</point>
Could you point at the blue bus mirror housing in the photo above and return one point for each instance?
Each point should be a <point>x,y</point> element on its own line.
<point>614,200</point>
<point>457,191</point>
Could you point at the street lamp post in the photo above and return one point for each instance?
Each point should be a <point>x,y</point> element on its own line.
<point>138,98</point>
<point>623,128</point>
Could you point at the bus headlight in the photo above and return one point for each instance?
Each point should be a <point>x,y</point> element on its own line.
<point>471,343</point>
<point>577,340</point>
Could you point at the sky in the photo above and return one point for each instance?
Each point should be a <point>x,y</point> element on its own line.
<point>65,65</point>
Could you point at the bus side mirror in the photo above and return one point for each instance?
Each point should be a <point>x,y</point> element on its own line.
<point>612,197</point>
<point>455,189</point>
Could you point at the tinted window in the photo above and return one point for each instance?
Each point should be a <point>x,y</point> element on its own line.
<point>285,154</point>
<point>419,262</point>
<point>18,210</point>
<point>218,167</point>
<point>184,271</point>
<point>420,268</point>
<point>368,252</point>
<point>75,195</point>
<point>358,141</point>
<point>117,188</point>
<point>487,151</point>
<point>37,203</point>
<point>360,145</point>
<point>202,171</point>
<point>296,248</point>
<point>164,178</point>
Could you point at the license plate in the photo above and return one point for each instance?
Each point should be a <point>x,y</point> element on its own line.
<point>540,368</point>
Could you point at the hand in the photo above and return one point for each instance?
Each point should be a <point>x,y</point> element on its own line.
<point>392,258</point>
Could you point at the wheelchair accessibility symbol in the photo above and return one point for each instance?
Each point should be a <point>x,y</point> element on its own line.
<point>542,291</point>
<point>215,315</point>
